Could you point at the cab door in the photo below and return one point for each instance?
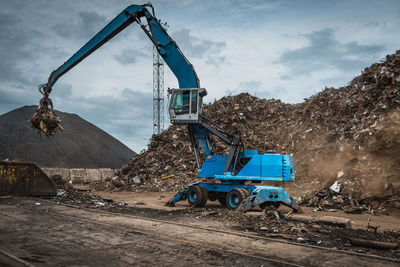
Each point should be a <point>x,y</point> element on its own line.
<point>185,105</point>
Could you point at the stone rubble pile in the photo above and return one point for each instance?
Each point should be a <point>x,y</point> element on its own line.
<point>350,135</point>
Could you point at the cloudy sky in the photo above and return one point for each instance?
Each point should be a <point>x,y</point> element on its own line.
<point>273,49</point>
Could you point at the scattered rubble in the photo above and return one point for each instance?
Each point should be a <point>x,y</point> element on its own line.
<point>346,143</point>
<point>324,231</point>
<point>332,220</point>
<point>83,199</point>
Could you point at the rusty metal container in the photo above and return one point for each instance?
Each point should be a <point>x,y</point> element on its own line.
<point>25,178</point>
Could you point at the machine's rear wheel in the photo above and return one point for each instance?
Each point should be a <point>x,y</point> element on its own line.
<point>212,196</point>
<point>234,198</point>
<point>222,199</point>
<point>197,196</point>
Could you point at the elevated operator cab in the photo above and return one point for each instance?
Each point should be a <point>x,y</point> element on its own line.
<point>186,105</point>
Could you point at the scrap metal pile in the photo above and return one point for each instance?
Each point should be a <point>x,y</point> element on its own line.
<point>349,136</point>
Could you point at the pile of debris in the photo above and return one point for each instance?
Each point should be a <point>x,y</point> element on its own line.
<point>325,231</point>
<point>336,197</point>
<point>167,164</point>
<point>350,135</point>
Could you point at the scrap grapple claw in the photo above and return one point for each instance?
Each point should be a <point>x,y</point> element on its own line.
<point>45,119</point>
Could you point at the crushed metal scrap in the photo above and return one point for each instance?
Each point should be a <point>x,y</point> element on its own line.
<point>350,135</point>
<point>45,118</point>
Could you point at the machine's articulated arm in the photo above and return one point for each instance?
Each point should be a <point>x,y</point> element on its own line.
<point>199,128</point>
<point>167,48</point>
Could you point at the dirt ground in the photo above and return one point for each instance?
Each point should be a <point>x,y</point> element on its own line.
<point>156,200</point>
<point>269,223</point>
<point>49,232</point>
<point>57,240</point>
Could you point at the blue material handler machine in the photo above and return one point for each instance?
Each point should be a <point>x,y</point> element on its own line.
<point>238,173</point>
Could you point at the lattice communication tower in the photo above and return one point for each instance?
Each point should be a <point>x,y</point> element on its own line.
<point>158,92</point>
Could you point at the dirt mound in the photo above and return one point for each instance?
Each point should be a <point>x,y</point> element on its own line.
<point>348,135</point>
<point>81,145</point>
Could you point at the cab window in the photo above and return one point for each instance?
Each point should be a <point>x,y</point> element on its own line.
<point>194,101</point>
<point>180,102</point>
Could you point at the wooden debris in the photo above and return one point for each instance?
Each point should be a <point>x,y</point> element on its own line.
<point>372,243</point>
<point>340,221</point>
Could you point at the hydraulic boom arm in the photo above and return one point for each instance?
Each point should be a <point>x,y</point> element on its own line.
<point>167,47</point>
<point>199,128</point>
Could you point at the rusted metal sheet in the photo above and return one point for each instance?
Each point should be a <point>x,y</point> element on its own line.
<point>25,178</point>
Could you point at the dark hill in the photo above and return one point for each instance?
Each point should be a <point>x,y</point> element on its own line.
<point>81,145</point>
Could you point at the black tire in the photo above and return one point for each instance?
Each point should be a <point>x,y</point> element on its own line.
<point>205,196</point>
<point>212,196</point>
<point>197,196</point>
<point>234,198</point>
<point>246,193</point>
<point>222,199</point>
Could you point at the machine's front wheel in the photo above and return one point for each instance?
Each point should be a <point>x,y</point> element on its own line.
<point>197,196</point>
<point>205,196</point>
<point>246,193</point>
<point>234,198</point>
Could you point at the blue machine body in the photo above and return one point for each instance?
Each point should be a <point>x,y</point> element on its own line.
<point>259,194</point>
<point>260,167</point>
